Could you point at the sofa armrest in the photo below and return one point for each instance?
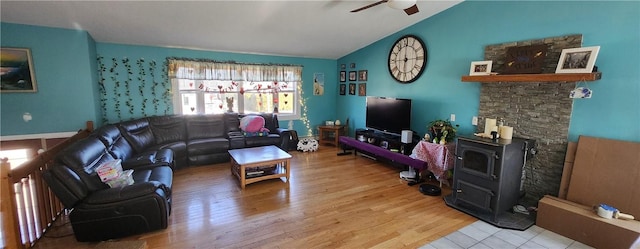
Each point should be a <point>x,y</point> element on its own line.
<point>113,195</point>
<point>161,157</point>
<point>236,140</point>
<point>281,131</point>
<point>288,139</point>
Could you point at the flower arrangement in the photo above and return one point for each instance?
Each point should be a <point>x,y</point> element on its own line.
<point>442,131</point>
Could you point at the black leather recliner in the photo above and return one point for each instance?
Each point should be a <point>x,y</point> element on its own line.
<point>99,212</point>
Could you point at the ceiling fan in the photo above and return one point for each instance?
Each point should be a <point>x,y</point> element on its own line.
<point>409,6</point>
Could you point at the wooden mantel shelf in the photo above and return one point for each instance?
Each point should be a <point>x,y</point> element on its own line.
<point>550,77</point>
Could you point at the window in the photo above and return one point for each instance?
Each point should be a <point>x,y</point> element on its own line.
<point>236,87</point>
<point>16,157</point>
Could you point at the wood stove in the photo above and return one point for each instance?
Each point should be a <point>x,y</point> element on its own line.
<point>487,179</point>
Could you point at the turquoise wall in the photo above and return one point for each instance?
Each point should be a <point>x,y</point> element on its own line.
<point>64,67</point>
<point>458,36</point>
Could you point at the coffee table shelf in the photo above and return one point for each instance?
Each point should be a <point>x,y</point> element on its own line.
<point>247,159</point>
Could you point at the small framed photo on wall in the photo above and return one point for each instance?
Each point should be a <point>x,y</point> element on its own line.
<point>343,89</point>
<point>362,75</point>
<point>362,89</point>
<point>352,75</point>
<point>352,88</point>
<point>343,76</point>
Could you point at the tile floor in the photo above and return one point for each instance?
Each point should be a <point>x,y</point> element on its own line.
<point>484,235</point>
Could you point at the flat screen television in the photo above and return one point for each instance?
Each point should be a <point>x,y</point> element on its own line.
<point>388,115</point>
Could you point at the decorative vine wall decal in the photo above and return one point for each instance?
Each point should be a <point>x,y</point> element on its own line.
<point>142,75</point>
<point>127,86</point>
<point>102,89</point>
<point>116,94</point>
<point>138,87</point>
<point>154,86</point>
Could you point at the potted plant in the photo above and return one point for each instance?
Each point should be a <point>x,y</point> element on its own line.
<point>442,131</point>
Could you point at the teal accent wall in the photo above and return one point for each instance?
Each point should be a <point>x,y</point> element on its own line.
<point>457,36</point>
<point>64,67</point>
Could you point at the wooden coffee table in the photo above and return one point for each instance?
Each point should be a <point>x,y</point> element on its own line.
<point>260,163</point>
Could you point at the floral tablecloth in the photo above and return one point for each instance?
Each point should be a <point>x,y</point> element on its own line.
<point>439,158</point>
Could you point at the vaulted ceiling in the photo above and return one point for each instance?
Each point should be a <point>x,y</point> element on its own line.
<point>302,28</point>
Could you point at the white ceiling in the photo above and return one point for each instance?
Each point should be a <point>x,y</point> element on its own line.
<point>301,28</point>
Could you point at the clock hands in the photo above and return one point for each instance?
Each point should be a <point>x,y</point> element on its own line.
<point>407,59</point>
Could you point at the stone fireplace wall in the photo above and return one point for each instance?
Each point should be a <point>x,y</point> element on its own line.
<point>536,110</point>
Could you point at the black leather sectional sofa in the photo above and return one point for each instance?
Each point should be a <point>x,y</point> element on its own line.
<point>153,147</point>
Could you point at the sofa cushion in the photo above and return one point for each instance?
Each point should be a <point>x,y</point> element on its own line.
<point>66,184</point>
<point>115,143</point>
<point>84,157</point>
<point>179,152</point>
<point>205,126</point>
<point>207,146</point>
<point>168,129</point>
<point>271,122</point>
<point>270,139</point>
<point>232,121</point>
<point>138,133</point>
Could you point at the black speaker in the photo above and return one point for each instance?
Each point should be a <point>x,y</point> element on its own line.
<point>293,140</point>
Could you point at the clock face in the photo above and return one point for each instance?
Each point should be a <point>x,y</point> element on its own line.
<point>407,59</point>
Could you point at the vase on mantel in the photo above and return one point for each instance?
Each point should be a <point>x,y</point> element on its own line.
<point>337,122</point>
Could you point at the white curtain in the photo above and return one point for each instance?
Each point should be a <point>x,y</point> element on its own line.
<point>211,70</point>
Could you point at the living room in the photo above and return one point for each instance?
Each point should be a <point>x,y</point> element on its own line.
<point>67,59</point>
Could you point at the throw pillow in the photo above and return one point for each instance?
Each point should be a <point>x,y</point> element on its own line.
<point>252,124</point>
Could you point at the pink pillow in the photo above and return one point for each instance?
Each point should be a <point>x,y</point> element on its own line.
<point>252,123</point>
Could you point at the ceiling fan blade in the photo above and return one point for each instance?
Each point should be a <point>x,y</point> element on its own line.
<point>411,10</point>
<point>370,5</point>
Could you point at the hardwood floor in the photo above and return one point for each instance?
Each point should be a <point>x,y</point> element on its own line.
<point>331,201</point>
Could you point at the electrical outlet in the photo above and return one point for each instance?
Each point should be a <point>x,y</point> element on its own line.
<point>474,120</point>
<point>452,118</point>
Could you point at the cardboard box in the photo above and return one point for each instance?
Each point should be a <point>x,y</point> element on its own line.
<point>570,156</point>
<point>582,224</point>
<point>606,171</point>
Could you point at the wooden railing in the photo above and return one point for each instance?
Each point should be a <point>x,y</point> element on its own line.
<point>27,205</point>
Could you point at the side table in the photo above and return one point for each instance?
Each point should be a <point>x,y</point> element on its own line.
<point>439,158</point>
<point>330,133</point>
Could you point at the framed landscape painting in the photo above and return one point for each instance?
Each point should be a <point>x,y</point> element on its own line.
<point>16,70</point>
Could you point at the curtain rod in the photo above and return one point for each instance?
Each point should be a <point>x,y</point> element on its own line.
<point>231,62</point>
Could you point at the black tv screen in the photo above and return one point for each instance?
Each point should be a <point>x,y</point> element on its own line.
<point>389,115</point>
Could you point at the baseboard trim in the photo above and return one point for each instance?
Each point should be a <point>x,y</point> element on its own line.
<point>38,136</point>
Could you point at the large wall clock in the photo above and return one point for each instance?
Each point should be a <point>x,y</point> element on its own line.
<point>407,59</point>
